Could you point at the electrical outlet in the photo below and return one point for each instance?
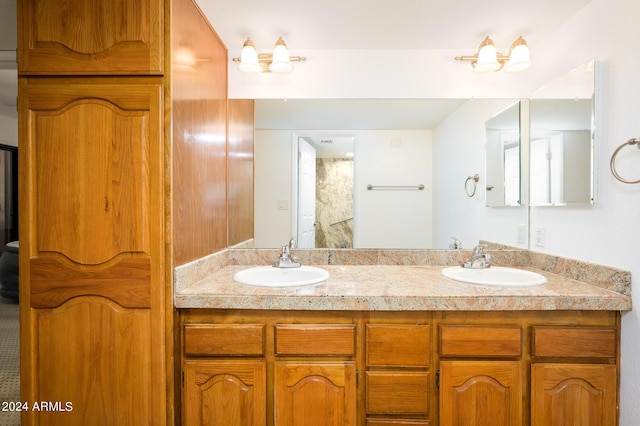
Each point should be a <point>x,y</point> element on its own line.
<point>522,234</point>
<point>539,236</point>
<point>283,204</point>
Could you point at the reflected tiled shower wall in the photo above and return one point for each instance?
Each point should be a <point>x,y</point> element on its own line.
<point>334,203</point>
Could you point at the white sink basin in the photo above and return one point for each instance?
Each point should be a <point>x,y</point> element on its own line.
<point>495,275</point>
<point>268,276</point>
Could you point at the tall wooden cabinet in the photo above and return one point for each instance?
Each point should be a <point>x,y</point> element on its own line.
<point>92,268</point>
<point>99,96</point>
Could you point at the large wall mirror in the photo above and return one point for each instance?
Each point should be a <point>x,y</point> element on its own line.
<point>376,174</point>
<point>562,117</point>
<point>403,183</point>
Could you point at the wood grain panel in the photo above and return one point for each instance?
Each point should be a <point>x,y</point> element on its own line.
<point>324,392</point>
<point>574,342</point>
<point>241,161</point>
<point>85,37</point>
<point>224,339</point>
<point>393,392</point>
<point>92,213</point>
<point>397,422</point>
<point>473,392</point>
<point>574,395</point>
<point>127,282</point>
<point>199,123</point>
<point>225,393</point>
<point>315,339</point>
<point>91,169</point>
<point>484,341</point>
<point>398,345</point>
<point>95,355</point>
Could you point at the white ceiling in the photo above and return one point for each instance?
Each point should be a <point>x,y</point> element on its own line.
<point>352,114</point>
<point>331,124</point>
<point>385,24</point>
<point>352,24</point>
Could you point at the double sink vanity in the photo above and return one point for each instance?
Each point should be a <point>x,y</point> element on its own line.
<point>389,338</point>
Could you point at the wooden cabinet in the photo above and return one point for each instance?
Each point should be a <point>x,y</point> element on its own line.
<point>574,379</point>
<point>315,393</point>
<point>398,385</point>
<point>92,268</point>
<point>287,370</point>
<point>99,214</point>
<point>473,391</point>
<point>400,368</point>
<point>225,393</point>
<point>120,37</point>
<point>573,395</point>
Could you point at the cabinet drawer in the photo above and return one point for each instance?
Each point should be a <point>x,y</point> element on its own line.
<point>397,422</point>
<point>315,339</point>
<point>573,342</point>
<point>397,392</point>
<point>398,345</point>
<point>224,339</point>
<point>486,341</point>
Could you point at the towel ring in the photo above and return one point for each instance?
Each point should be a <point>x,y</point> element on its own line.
<point>475,179</point>
<point>612,163</point>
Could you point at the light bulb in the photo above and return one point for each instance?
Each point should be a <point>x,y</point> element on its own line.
<point>281,61</point>
<point>249,58</point>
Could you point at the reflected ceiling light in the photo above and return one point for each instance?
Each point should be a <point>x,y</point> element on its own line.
<point>277,62</point>
<point>488,59</point>
<point>184,59</point>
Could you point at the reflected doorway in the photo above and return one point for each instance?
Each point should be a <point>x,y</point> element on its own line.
<point>8,194</point>
<point>325,190</point>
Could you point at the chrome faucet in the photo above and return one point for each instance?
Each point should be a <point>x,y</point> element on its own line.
<point>285,260</point>
<point>479,259</point>
<point>456,244</point>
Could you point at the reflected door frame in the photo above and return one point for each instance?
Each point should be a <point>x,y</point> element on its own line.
<point>297,135</point>
<point>9,195</point>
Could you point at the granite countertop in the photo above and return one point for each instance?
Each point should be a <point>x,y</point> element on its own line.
<point>394,288</point>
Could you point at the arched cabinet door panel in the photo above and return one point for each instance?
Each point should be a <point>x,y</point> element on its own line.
<point>225,393</point>
<point>93,189</point>
<point>473,391</point>
<point>84,37</point>
<point>315,393</point>
<point>92,262</point>
<point>573,394</point>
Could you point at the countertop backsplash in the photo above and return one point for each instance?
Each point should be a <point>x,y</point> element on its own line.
<point>598,275</point>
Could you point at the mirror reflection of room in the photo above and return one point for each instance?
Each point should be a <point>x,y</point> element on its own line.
<point>322,199</point>
<point>503,158</point>
<point>399,147</point>
<point>562,130</point>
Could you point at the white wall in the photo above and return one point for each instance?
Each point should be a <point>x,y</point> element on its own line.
<point>382,219</point>
<point>272,184</point>
<point>607,233</point>
<point>339,74</point>
<point>389,218</point>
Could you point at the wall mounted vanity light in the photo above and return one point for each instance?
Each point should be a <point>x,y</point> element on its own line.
<point>277,62</point>
<point>487,59</point>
